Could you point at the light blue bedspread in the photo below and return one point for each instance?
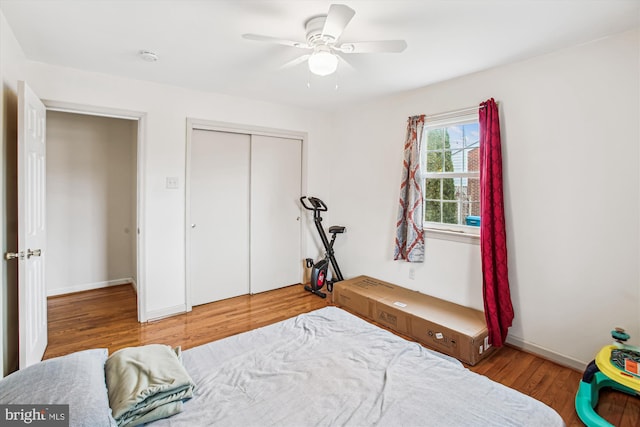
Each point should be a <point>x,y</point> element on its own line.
<point>330,368</point>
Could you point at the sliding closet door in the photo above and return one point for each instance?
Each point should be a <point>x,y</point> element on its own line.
<point>276,259</point>
<point>219,216</point>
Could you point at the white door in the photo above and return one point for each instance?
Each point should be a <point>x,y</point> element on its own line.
<point>276,165</point>
<point>32,295</point>
<point>219,216</point>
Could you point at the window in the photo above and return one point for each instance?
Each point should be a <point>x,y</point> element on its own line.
<point>452,174</point>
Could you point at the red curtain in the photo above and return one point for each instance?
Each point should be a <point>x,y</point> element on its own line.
<point>498,309</point>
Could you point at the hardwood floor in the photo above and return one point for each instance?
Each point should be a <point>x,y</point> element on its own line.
<point>108,318</point>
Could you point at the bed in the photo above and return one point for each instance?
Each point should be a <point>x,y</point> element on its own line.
<point>323,368</point>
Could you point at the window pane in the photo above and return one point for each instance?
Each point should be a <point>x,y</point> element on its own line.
<point>457,161</point>
<point>456,137</point>
<point>471,135</point>
<point>432,188</point>
<point>449,188</point>
<point>474,209</point>
<point>472,159</point>
<point>434,161</point>
<point>473,189</point>
<point>432,211</point>
<point>448,161</point>
<point>436,138</point>
<point>450,212</point>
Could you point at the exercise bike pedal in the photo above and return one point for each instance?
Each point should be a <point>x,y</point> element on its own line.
<point>330,285</point>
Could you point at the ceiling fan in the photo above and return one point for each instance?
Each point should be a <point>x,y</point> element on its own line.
<point>323,35</point>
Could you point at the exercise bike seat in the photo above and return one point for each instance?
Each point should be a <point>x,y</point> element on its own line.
<point>337,229</point>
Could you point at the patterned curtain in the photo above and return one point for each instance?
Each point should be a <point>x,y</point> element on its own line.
<point>409,244</point>
<point>498,310</point>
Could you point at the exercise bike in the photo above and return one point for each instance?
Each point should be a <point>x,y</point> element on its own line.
<point>320,270</point>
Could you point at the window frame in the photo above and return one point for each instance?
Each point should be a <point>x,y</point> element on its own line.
<point>444,229</point>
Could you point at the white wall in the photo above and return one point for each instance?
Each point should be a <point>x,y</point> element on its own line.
<point>167,109</point>
<point>90,208</point>
<point>570,154</point>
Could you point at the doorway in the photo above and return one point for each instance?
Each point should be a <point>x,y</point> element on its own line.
<point>94,193</point>
<point>91,202</point>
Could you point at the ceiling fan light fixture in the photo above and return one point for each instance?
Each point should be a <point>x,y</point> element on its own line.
<point>323,34</point>
<point>322,62</point>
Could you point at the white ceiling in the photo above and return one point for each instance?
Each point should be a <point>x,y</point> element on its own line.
<point>200,46</point>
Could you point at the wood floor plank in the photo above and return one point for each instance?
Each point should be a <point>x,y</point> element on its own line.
<point>107,318</point>
<point>527,377</point>
<point>631,415</point>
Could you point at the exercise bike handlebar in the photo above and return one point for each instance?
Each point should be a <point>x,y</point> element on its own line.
<point>316,204</point>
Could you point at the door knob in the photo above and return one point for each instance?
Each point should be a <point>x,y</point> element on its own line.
<point>35,252</point>
<point>13,255</point>
<point>193,226</point>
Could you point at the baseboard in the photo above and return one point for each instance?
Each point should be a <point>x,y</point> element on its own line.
<point>166,312</point>
<point>545,353</point>
<point>89,286</point>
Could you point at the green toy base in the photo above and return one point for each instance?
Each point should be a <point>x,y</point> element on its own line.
<point>587,399</point>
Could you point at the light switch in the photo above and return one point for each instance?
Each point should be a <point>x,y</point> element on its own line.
<point>172,182</point>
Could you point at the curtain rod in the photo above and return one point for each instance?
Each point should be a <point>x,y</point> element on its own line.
<point>453,112</point>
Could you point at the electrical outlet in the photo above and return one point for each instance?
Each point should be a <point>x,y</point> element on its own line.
<point>412,273</point>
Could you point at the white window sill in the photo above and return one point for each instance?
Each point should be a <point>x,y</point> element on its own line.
<point>454,236</point>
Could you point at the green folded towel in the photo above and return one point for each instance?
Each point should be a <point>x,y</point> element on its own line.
<point>146,383</point>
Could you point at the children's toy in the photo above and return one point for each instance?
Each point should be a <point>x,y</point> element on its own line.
<point>615,366</point>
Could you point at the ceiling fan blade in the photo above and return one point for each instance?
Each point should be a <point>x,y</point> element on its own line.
<point>383,46</point>
<point>345,63</point>
<point>295,61</point>
<point>259,38</point>
<point>337,19</point>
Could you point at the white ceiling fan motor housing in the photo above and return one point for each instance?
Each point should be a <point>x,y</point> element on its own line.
<point>314,28</point>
